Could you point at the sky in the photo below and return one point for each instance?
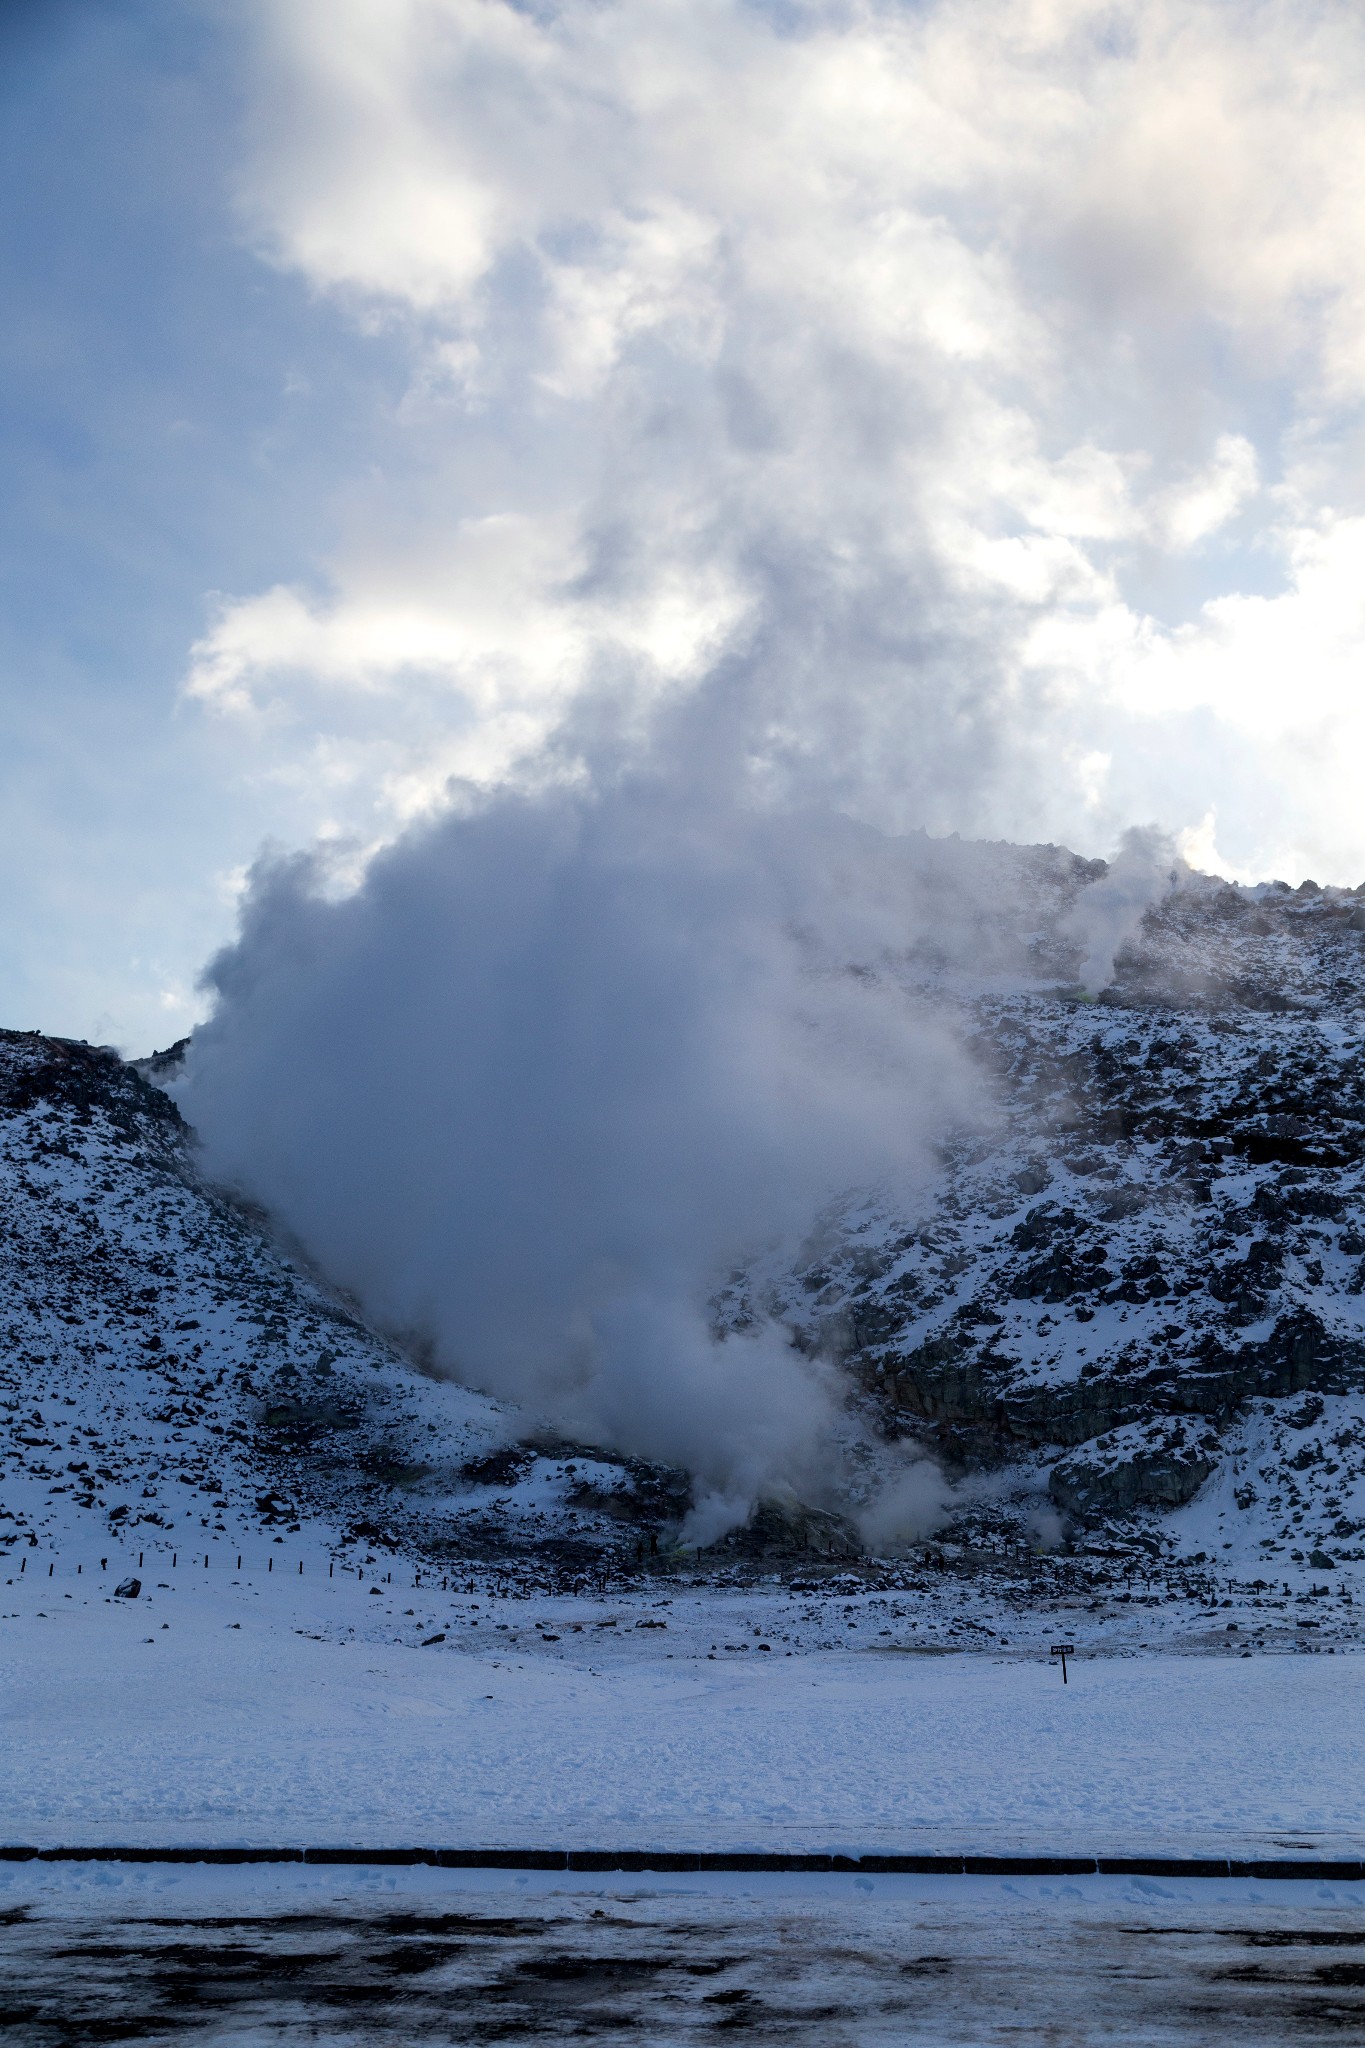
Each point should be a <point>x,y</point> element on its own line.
<point>960,401</point>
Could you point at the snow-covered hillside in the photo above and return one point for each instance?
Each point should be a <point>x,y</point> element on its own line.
<point>171,1378</point>
<point>1132,1310</point>
<point>1141,1282</point>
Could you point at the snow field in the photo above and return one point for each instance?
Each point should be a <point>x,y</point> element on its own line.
<point>224,1714</point>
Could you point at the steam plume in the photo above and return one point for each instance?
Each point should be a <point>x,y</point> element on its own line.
<point>1105,916</point>
<point>559,1062</point>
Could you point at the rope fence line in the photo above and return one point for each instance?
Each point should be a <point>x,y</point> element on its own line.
<point>197,1563</point>
<point>37,1566</point>
<point>1189,1587</point>
<point>1189,1584</point>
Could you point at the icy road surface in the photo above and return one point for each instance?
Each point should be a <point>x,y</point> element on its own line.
<point>273,1958</point>
<point>297,1713</point>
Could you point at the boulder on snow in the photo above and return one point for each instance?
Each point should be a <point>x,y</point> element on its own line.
<point>127,1589</point>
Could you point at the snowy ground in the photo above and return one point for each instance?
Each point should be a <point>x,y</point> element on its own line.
<point>280,1708</point>
<point>175,1396</point>
<point>282,1957</point>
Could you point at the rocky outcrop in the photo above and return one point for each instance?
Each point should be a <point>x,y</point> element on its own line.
<point>1158,1464</point>
<point>943,1381</point>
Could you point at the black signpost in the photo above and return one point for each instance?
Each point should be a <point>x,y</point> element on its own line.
<point>1062,1650</point>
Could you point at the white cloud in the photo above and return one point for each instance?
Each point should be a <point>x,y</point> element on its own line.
<point>1192,511</point>
<point>1275,666</point>
<point>881,362</point>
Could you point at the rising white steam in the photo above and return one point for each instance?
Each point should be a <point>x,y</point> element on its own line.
<point>910,1505</point>
<point>561,1061</point>
<point>1105,916</point>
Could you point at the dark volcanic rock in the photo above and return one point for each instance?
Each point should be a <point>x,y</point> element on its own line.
<point>1153,1465</point>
